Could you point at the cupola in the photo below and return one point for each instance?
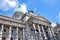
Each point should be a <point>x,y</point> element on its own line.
<point>18,13</point>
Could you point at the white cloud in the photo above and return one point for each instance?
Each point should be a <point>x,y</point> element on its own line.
<point>24,7</point>
<point>11,3</point>
<point>58,16</point>
<point>53,24</point>
<point>35,9</point>
<point>8,4</point>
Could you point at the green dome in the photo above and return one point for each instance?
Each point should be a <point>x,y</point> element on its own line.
<point>18,10</point>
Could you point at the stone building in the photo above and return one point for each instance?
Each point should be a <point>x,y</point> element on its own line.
<point>25,26</point>
<point>57,32</point>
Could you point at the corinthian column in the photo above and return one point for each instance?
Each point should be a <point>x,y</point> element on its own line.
<point>9,37</point>
<point>27,32</point>
<point>50,33</point>
<point>44,33</point>
<point>17,33</point>
<point>1,32</point>
<point>34,27</point>
<point>40,35</point>
<point>23,34</point>
<point>35,31</point>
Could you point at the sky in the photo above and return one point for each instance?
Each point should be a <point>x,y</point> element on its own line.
<point>50,9</point>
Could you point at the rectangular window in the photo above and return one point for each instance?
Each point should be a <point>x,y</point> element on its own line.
<point>4,30</point>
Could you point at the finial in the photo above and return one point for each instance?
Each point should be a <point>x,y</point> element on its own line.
<point>18,6</point>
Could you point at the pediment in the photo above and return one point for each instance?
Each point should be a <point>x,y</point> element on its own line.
<point>41,18</point>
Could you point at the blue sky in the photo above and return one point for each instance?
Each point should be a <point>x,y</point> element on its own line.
<point>50,9</point>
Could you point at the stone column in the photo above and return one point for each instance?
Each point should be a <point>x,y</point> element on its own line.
<point>44,34</point>
<point>50,33</point>
<point>9,36</point>
<point>34,27</point>
<point>2,27</point>
<point>23,34</point>
<point>27,32</point>
<point>35,31</point>
<point>40,35</point>
<point>17,33</point>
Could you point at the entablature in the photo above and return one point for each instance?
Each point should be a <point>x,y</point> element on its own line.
<point>11,21</point>
<point>37,21</point>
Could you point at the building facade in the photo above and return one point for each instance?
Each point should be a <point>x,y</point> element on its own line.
<point>25,26</point>
<point>57,32</point>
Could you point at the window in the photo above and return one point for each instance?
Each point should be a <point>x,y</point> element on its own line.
<point>4,30</point>
<point>37,30</point>
<point>3,38</point>
<point>18,38</point>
